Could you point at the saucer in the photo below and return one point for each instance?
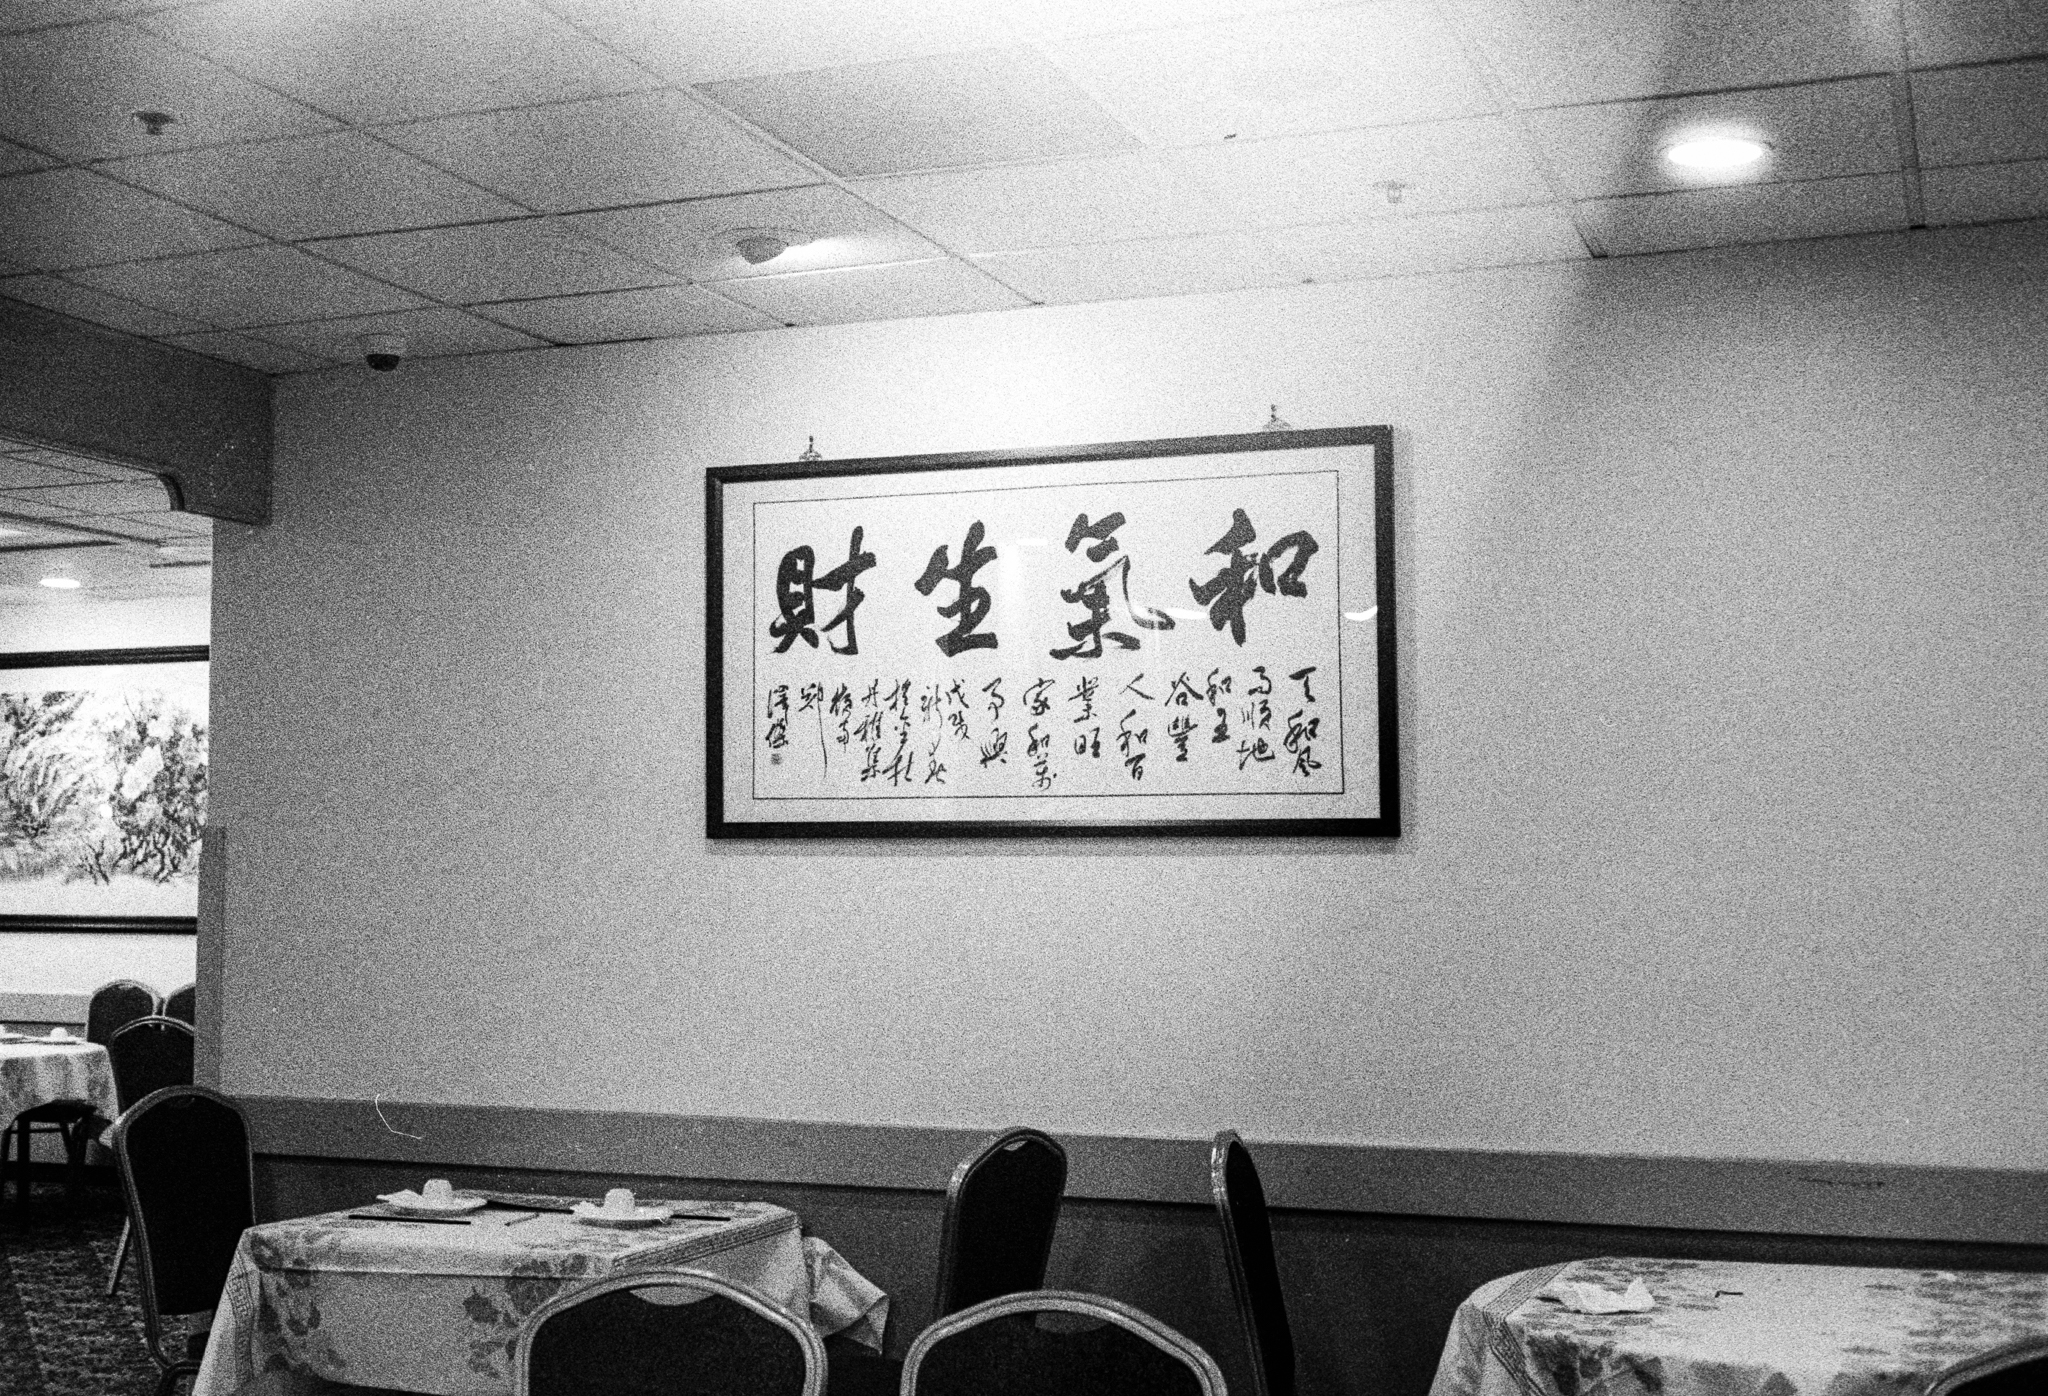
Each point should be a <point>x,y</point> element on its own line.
<point>592,1214</point>
<point>410,1201</point>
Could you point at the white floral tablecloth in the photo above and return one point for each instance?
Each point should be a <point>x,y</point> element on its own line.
<point>1727,1328</point>
<point>433,1307</point>
<point>34,1074</point>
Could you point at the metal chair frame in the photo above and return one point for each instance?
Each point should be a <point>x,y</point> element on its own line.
<point>121,1094</point>
<point>1988,1364</point>
<point>185,997</point>
<point>964,1176</point>
<point>172,1366</point>
<point>699,1281</point>
<point>1065,1301</point>
<point>1271,1375</point>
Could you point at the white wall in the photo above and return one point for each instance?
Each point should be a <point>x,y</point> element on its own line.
<point>1723,655</point>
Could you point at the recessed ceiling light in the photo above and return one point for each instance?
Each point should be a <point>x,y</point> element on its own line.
<point>1717,152</point>
<point>62,583</point>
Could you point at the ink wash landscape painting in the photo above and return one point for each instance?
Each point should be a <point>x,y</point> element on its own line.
<point>102,790</point>
<point>1187,635</point>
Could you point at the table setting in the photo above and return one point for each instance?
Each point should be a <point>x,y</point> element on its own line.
<point>424,1289</point>
<point>36,1069</point>
<point>1635,1326</point>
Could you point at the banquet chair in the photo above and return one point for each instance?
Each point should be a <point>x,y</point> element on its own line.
<point>1254,1273</point>
<point>148,1055</point>
<point>183,1003</point>
<point>113,1004</point>
<point>186,1170</point>
<point>666,1333</point>
<point>1053,1340</point>
<point>1001,1207</point>
<point>2016,1369</point>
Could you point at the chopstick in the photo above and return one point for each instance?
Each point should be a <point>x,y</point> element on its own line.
<point>391,1216</point>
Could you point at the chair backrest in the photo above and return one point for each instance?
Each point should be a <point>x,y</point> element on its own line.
<point>2016,1369</point>
<point>183,1155</point>
<point>672,1332</point>
<point>113,1004</point>
<point>148,1055</point>
<point>183,1003</point>
<point>1254,1273</point>
<point>1051,1340</point>
<point>1001,1208</point>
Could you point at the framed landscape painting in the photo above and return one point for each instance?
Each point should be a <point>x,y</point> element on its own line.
<point>1189,636</point>
<point>102,789</point>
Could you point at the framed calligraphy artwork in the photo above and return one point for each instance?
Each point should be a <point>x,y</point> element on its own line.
<point>1190,636</point>
<point>102,789</point>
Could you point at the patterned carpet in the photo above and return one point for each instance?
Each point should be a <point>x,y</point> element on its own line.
<point>59,1333</point>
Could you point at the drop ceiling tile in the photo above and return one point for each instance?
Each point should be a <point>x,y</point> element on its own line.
<point>399,60</point>
<point>75,90</point>
<point>1050,21</point>
<point>638,148</point>
<point>1441,166</point>
<point>1968,115</point>
<point>1815,132</point>
<point>1493,237</point>
<point>32,504</point>
<point>15,159</point>
<point>1986,193</point>
<point>314,186</point>
<point>692,41</point>
<point>1943,31</point>
<point>1151,267</point>
<point>433,333</point>
<point>1278,75</point>
<point>125,497</point>
<point>659,312</point>
<point>903,291</point>
<point>248,351</point>
<point>84,303</point>
<point>1746,213</point>
<point>826,227</point>
<point>1554,53</point>
<point>54,219</point>
<point>525,258</point>
<point>17,474</point>
<point>979,108</point>
<point>147,528</point>
<point>1073,201</point>
<point>249,286</point>
<point>38,14</point>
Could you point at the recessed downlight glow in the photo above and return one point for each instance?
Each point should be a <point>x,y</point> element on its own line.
<point>62,583</point>
<point>1716,153</point>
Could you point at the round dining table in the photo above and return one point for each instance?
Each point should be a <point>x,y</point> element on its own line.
<point>1732,1328</point>
<point>39,1070</point>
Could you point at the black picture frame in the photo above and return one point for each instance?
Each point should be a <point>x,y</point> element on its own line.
<point>1357,461</point>
<point>99,658</point>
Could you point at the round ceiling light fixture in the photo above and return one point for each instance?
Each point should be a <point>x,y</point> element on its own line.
<point>62,583</point>
<point>1716,154</point>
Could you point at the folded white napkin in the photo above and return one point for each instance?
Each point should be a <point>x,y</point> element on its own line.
<point>1582,1297</point>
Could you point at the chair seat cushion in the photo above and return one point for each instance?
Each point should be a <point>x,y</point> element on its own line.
<point>853,1371</point>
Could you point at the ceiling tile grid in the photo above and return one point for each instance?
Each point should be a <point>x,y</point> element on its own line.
<point>492,175</point>
<point>108,528</point>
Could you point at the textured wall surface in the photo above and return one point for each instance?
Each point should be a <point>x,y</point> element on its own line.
<point>1723,663</point>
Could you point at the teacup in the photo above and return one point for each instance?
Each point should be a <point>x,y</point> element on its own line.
<point>438,1191</point>
<point>618,1202</point>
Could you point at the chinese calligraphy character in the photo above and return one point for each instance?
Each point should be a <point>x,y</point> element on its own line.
<point>795,589</point>
<point>971,607</point>
<point>1095,597</point>
<point>1242,577</point>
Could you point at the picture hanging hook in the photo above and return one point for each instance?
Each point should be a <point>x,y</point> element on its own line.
<point>811,451</point>
<point>1273,422</point>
